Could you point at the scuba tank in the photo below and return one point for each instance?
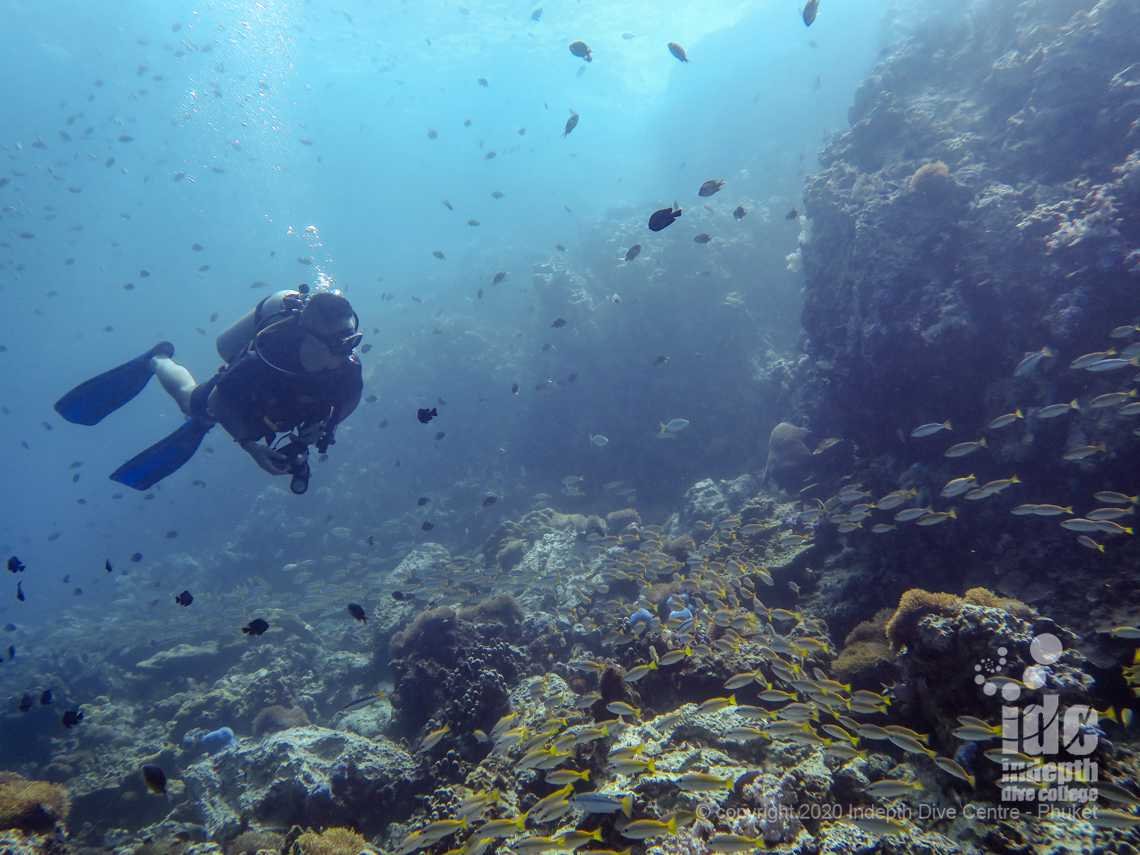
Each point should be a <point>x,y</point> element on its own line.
<point>233,342</point>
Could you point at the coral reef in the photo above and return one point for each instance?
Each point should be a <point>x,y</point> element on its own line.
<point>331,841</point>
<point>787,453</point>
<point>866,659</point>
<point>34,806</point>
<point>276,717</point>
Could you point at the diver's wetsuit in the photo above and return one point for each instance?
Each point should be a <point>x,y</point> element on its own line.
<point>266,391</point>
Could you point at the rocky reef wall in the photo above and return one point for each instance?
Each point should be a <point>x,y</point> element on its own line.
<point>982,204</point>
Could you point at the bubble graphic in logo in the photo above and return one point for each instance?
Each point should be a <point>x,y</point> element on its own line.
<point>1046,648</point>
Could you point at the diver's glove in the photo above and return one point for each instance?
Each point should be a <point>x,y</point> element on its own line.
<point>265,457</point>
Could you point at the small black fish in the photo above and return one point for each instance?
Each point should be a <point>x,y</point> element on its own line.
<point>739,213</point>
<point>536,15</point>
<point>422,500</point>
<point>792,214</point>
<point>77,592</point>
<point>479,294</point>
<point>425,415</point>
<point>67,579</point>
<point>571,124</point>
<point>170,535</point>
<point>107,565</point>
<point>399,595</point>
<point>572,376</point>
<point>663,218</point>
<point>582,51</point>
<point>661,360</point>
<point>499,277</point>
<point>15,565</point>
<point>711,187</point>
<point>440,435</point>
<point>679,51</point>
<point>427,526</point>
<point>514,388</point>
<point>26,703</point>
<point>371,399</point>
<point>447,205</point>
<point>20,592</point>
<point>489,500</point>
<point>137,557</point>
<point>383,423</point>
<point>184,599</point>
<point>558,323</point>
<point>633,252</point>
<point>46,698</point>
<point>154,778</point>
<point>357,611</point>
<point>72,718</point>
<point>257,626</point>
<point>703,237</point>
<point>482,81</point>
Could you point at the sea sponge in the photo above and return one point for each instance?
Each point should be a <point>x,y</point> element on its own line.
<point>275,718</point>
<point>331,841</point>
<point>930,179</point>
<point>914,605</point>
<point>31,805</point>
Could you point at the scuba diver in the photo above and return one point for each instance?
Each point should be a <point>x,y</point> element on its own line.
<point>290,370</point>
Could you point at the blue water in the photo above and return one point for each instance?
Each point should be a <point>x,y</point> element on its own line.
<point>229,94</point>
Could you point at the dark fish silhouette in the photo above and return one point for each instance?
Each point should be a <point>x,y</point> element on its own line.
<point>427,526</point>
<point>810,11</point>
<point>633,252</point>
<point>558,323</point>
<point>571,124</point>
<point>154,778</point>
<point>357,612</point>
<point>184,599</point>
<point>702,238</point>
<point>711,187</point>
<point>792,214</point>
<point>663,218</point>
<point>425,415</point>
<point>257,626</point>
<point>582,51</point>
<point>679,51</point>
<point>739,213</point>
<point>72,718</point>
<point>489,500</point>
<point>15,565</point>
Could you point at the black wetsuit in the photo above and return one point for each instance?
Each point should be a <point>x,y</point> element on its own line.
<point>270,393</point>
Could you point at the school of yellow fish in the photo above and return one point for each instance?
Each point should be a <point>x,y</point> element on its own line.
<point>797,702</point>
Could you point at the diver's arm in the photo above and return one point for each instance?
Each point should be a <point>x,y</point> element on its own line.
<point>229,417</point>
<point>347,403</point>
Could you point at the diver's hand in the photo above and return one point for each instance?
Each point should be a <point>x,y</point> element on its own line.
<point>266,458</point>
<point>309,434</point>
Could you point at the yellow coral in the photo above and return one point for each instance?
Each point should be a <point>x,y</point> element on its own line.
<point>914,605</point>
<point>31,805</point>
<point>331,841</point>
<point>931,177</point>
<point>986,597</point>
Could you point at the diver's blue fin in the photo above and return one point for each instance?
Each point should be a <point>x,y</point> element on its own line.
<point>93,400</point>
<point>165,457</point>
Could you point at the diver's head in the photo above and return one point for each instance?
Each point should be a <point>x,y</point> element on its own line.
<point>331,331</point>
